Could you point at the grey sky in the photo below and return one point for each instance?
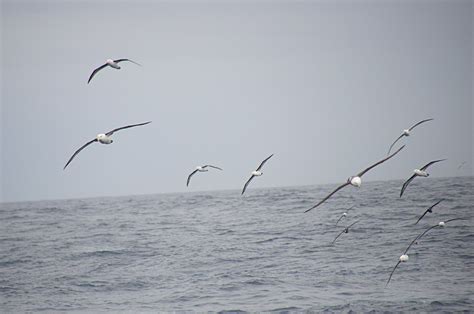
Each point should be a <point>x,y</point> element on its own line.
<point>326,86</point>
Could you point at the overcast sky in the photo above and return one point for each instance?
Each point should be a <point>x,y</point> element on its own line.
<point>324,85</point>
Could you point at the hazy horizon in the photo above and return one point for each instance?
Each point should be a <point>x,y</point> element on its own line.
<point>313,82</point>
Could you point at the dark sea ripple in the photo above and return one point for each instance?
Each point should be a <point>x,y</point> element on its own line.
<point>218,251</point>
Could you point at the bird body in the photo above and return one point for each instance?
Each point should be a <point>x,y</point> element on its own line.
<point>113,64</point>
<point>257,173</point>
<point>404,258</point>
<point>355,181</point>
<point>104,139</point>
<point>421,173</point>
<point>406,132</point>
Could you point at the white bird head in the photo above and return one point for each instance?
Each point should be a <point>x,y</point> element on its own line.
<point>355,181</point>
<point>404,258</point>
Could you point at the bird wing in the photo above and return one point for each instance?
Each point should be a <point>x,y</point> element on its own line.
<point>352,224</point>
<point>391,274</point>
<point>360,174</point>
<point>426,211</point>
<point>430,163</point>
<point>454,219</point>
<point>391,146</point>
<point>342,216</point>
<point>78,151</point>
<point>125,127</point>
<point>247,183</point>
<point>190,175</point>
<point>338,236</point>
<point>406,184</point>
<point>95,72</point>
<point>419,237</point>
<point>422,121</point>
<point>263,162</point>
<point>121,60</point>
<point>350,208</point>
<point>212,167</point>
<point>324,199</point>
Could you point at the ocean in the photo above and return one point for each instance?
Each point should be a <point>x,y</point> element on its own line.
<point>221,252</point>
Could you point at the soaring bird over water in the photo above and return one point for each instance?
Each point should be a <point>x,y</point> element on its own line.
<point>418,173</point>
<point>256,173</point>
<point>103,139</point>
<point>346,230</point>
<point>429,210</point>
<point>200,169</point>
<point>355,180</point>
<point>406,132</point>
<point>344,214</point>
<point>110,63</point>
<point>404,257</point>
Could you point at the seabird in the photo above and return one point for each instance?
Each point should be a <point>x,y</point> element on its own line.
<point>429,210</point>
<point>404,257</point>
<point>418,173</point>
<point>103,139</point>
<point>200,169</point>
<point>255,173</point>
<point>110,63</point>
<point>346,230</point>
<point>406,132</point>
<point>355,180</point>
<point>462,164</point>
<point>344,214</point>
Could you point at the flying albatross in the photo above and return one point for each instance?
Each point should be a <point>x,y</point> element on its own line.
<point>255,173</point>
<point>406,132</point>
<point>103,139</point>
<point>404,257</point>
<point>346,230</point>
<point>429,210</point>
<point>419,173</point>
<point>200,169</point>
<point>111,63</point>
<point>355,180</point>
<point>344,214</point>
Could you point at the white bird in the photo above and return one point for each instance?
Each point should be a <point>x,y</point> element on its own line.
<point>256,173</point>
<point>200,169</point>
<point>103,139</point>
<point>406,132</point>
<point>111,63</point>
<point>344,214</point>
<point>404,257</point>
<point>429,210</point>
<point>419,173</point>
<point>346,230</point>
<point>355,180</point>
